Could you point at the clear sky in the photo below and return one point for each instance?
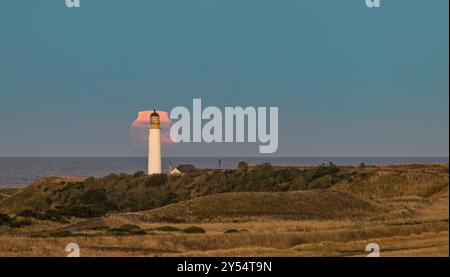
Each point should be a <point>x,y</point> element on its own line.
<point>348,80</point>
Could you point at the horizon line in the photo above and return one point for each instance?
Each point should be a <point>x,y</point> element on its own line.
<point>250,156</point>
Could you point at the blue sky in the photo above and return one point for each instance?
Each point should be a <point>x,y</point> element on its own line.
<point>348,80</point>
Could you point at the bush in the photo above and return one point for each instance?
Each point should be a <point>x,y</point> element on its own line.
<point>156,180</point>
<point>98,228</point>
<point>168,229</point>
<point>51,215</point>
<point>5,219</point>
<point>13,222</point>
<point>19,223</point>
<point>82,211</point>
<point>194,230</point>
<point>95,197</point>
<point>61,234</point>
<point>167,199</point>
<point>231,231</point>
<point>139,173</point>
<point>127,229</point>
<point>325,169</point>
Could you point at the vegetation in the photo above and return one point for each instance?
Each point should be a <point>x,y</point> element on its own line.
<point>59,199</point>
<point>298,205</point>
<point>5,219</point>
<point>326,210</point>
<point>56,200</point>
<point>61,234</point>
<point>51,215</point>
<point>127,229</point>
<point>168,229</point>
<point>231,231</point>
<point>194,230</point>
<point>13,222</point>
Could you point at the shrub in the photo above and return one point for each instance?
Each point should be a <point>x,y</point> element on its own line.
<point>13,222</point>
<point>19,223</point>
<point>64,233</point>
<point>194,230</point>
<point>167,199</point>
<point>5,219</point>
<point>139,173</point>
<point>127,229</point>
<point>230,231</point>
<point>94,197</point>
<point>325,169</point>
<point>51,215</point>
<point>156,180</point>
<point>82,211</point>
<point>168,229</point>
<point>98,228</point>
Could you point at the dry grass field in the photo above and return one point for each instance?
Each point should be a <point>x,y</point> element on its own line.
<point>404,209</point>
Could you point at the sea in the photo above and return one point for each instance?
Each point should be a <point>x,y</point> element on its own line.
<point>21,171</point>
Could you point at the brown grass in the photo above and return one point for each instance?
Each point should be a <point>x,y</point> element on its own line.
<point>314,204</point>
<point>399,181</point>
<point>261,238</point>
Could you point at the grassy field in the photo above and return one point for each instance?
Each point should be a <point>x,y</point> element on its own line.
<point>404,209</point>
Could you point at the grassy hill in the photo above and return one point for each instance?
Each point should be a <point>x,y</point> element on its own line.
<point>317,204</point>
<point>34,197</point>
<point>93,197</point>
<point>325,191</point>
<point>399,181</point>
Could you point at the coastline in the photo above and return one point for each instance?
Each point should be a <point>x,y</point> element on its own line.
<point>335,211</point>
<point>23,171</point>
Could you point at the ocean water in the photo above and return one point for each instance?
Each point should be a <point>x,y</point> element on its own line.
<point>24,171</point>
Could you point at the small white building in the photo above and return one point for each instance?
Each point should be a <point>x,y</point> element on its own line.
<point>174,171</point>
<point>181,169</point>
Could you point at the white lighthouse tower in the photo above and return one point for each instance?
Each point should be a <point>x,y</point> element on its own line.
<point>154,145</point>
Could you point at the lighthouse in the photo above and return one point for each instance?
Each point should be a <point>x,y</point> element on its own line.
<point>154,145</point>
